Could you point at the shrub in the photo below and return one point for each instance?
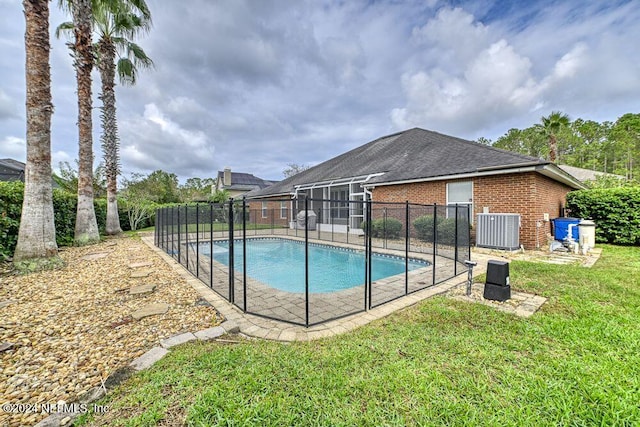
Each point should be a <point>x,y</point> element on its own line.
<point>11,194</point>
<point>64,213</point>
<point>616,212</point>
<point>446,229</point>
<point>424,227</point>
<point>389,228</point>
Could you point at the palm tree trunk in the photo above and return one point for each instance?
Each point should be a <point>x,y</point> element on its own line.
<point>106,65</point>
<point>37,234</point>
<point>553,148</point>
<point>86,230</point>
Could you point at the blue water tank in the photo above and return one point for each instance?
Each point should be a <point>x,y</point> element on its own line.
<point>561,228</point>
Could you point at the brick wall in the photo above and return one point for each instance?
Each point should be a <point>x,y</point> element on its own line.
<point>529,194</point>
<point>273,212</point>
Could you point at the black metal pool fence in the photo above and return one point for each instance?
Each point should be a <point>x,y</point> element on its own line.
<point>213,241</point>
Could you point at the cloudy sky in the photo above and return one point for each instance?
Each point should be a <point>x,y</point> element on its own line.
<point>257,84</point>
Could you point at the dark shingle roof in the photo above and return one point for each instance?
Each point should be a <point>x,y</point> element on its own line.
<point>245,181</point>
<point>11,170</point>
<point>413,154</point>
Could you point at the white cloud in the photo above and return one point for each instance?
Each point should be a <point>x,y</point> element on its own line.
<point>14,148</point>
<point>155,141</point>
<point>272,82</point>
<point>491,82</point>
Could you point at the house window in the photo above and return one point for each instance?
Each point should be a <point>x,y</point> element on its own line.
<point>283,210</point>
<point>264,209</point>
<point>461,193</point>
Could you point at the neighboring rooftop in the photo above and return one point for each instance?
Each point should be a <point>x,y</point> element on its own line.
<point>585,175</point>
<point>414,154</point>
<point>240,181</point>
<point>11,170</point>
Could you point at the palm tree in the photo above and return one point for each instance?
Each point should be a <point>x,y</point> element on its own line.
<point>86,230</point>
<point>37,234</point>
<point>550,127</point>
<point>115,22</point>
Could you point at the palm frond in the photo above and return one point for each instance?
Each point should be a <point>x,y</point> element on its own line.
<point>139,56</point>
<point>66,29</point>
<point>126,71</point>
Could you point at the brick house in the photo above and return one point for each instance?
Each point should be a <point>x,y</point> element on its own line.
<point>425,167</point>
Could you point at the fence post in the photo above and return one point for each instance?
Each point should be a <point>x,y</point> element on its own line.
<point>306,261</point>
<point>186,234</point>
<point>179,230</point>
<point>435,240</point>
<point>231,251</point>
<point>468,231</point>
<point>406,248</point>
<point>211,245</point>
<point>165,233</point>
<point>384,226</point>
<point>368,258</point>
<point>198,240</point>
<point>155,230</point>
<point>455,238</point>
<point>173,246</point>
<point>244,253</point>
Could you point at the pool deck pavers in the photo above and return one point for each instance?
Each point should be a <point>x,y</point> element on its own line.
<point>259,327</point>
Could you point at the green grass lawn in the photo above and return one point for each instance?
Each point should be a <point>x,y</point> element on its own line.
<point>442,362</point>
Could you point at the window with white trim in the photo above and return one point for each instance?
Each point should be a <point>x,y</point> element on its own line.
<point>461,193</point>
<point>283,210</point>
<point>264,209</point>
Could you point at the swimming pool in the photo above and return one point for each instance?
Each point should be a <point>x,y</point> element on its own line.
<point>280,263</point>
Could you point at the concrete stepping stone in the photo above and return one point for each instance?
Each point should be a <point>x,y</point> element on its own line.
<point>95,256</point>
<point>140,274</point>
<point>150,310</point>
<point>140,264</point>
<point>142,289</point>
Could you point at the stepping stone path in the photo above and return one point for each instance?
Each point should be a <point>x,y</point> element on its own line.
<point>140,274</point>
<point>150,310</point>
<point>93,257</point>
<point>140,264</point>
<point>142,289</point>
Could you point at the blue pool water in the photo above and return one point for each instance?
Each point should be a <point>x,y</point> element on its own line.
<point>279,263</point>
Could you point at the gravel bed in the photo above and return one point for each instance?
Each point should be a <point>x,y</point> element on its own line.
<point>71,328</point>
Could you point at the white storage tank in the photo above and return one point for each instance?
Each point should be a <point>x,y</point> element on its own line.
<point>587,234</point>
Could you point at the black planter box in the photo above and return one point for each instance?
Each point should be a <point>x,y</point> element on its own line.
<point>498,272</point>
<point>497,292</point>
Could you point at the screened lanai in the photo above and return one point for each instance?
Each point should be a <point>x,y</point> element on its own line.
<point>337,203</point>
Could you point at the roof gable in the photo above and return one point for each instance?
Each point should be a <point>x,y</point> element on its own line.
<point>410,155</point>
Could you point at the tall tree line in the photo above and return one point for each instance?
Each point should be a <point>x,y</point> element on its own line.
<point>612,147</point>
<point>115,21</point>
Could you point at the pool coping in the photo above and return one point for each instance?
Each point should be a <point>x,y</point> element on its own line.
<point>260,327</point>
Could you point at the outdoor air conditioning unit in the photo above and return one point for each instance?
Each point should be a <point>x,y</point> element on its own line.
<point>498,231</point>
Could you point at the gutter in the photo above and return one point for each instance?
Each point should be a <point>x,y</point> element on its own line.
<point>544,169</point>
